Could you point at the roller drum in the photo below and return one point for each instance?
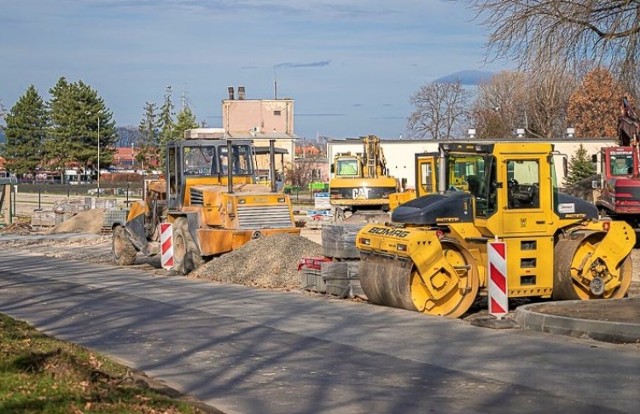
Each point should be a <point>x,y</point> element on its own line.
<point>571,284</point>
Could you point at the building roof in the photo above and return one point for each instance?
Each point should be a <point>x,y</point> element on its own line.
<point>256,136</point>
<point>265,150</point>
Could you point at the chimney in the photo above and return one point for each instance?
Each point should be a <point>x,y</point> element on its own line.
<point>230,89</point>
<point>241,92</point>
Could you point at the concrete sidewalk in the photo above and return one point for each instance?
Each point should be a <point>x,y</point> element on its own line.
<point>614,320</point>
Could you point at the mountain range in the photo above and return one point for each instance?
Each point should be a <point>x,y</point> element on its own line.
<point>467,77</point>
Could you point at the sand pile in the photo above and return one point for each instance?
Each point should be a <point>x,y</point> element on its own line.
<point>88,221</point>
<point>270,262</point>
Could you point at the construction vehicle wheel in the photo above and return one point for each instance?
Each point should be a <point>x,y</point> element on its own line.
<point>445,292</point>
<point>186,255</point>
<point>569,255</point>
<point>124,253</point>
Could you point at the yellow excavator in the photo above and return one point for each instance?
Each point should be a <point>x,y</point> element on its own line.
<point>210,198</point>
<point>361,182</point>
<point>432,256</point>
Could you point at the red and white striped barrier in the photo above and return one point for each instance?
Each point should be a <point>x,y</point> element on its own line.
<point>166,245</point>
<point>498,298</point>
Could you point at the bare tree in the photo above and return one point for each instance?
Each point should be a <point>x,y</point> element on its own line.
<point>537,32</point>
<point>549,92</point>
<point>500,105</point>
<point>439,110</point>
<point>305,170</point>
<point>535,102</point>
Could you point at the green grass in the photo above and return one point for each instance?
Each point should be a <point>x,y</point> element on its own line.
<point>39,374</point>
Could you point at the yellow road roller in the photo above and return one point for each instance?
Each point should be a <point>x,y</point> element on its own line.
<point>432,256</point>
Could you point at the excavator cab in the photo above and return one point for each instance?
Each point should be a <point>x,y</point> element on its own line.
<point>360,182</point>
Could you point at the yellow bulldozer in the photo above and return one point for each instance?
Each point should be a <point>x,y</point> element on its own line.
<point>432,256</point>
<point>210,198</point>
<point>361,182</point>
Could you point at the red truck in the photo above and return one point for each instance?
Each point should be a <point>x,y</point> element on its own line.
<point>620,171</point>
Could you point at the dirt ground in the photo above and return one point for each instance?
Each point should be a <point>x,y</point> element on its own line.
<point>269,262</point>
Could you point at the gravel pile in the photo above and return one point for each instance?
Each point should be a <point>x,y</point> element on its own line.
<point>270,262</point>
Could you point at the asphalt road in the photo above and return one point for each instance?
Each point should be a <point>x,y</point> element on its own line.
<point>245,350</point>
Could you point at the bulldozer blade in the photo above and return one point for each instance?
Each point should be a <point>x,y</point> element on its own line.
<point>386,280</point>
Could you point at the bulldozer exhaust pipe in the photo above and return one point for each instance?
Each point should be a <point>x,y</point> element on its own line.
<point>272,164</point>
<point>442,176</point>
<point>229,168</point>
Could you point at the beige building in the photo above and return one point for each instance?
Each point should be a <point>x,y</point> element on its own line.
<point>264,121</point>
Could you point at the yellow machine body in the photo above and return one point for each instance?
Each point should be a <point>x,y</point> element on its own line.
<point>361,181</point>
<point>426,167</point>
<point>209,215</point>
<point>432,257</point>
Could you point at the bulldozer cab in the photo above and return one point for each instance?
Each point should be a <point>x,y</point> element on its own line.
<point>206,162</point>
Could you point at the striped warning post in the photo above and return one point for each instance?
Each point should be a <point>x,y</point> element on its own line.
<point>166,245</point>
<point>498,299</point>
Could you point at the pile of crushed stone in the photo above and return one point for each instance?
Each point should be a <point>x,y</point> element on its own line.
<point>88,221</point>
<point>269,262</point>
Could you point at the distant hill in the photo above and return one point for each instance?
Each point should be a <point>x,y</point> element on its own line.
<point>466,77</point>
<point>3,139</point>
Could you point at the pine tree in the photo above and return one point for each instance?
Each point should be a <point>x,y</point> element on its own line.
<point>185,120</point>
<point>150,129</point>
<point>79,118</point>
<point>167,125</point>
<point>580,167</point>
<point>25,133</point>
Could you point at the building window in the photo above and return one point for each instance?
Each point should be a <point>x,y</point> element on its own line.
<point>277,113</point>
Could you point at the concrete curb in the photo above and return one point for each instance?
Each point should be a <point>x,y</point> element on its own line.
<point>605,331</point>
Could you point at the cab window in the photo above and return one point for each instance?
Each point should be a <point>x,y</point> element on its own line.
<point>621,164</point>
<point>348,167</point>
<point>426,178</point>
<point>523,182</point>
<point>197,160</point>
<point>487,196</point>
<point>240,160</point>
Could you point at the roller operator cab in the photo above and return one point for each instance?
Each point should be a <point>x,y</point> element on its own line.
<point>432,256</point>
<point>210,197</point>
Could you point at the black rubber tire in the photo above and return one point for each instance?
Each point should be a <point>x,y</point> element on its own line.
<point>124,253</point>
<point>186,254</point>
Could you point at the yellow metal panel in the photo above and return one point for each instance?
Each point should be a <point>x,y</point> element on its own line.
<point>137,208</point>
<point>218,241</point>
<point>530,266</point>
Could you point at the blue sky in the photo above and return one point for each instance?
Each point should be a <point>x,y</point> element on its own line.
<point>350,65</point>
